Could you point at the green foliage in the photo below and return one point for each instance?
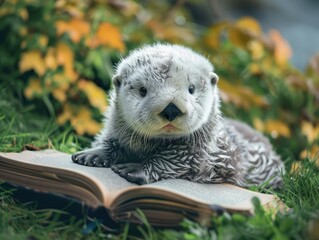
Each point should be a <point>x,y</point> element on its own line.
<point>65,52</point>
<point>22,128</point>
<point>302,187</point>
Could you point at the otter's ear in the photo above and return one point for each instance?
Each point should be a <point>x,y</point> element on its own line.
<point>213,78</point>
<point>117,81</point>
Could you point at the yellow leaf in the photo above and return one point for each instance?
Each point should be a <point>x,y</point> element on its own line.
<point>313,154</point>
<point>276,127</point>
<point>59,94</point>
<point>240,95</point>
<point>32,60</point>
<point>43,40</point>
<point>243,31</point>
<point>80,118</point>
<point>34,88</point>
<point>267,66</point>
<point>66,114</point>
<point>76,28</point>
<point>5,10</point>
<point>273,127</point>
<point>281,48</point>
<point>59,84</point>
<point>212,38</point>
<point>50,59</point>
<point>258,124</point>
<point>65,57</point>
<point>95,94</point>
<point>257,49</point>
<point>83,122</point>
<point>107,35</point>
<point>249,24</point>
<point>23,13</point>
<point>23,31</point>
<point>238,37</point>
<point>310,131</point>
<point>130,8</point>
<point>72,8</point>
<point>61,81</point>
<point>170,31</point>
<point>254,68</point>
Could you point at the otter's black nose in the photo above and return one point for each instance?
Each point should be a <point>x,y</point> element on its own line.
<point>171,112</point>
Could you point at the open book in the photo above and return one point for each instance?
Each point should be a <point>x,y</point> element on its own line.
<point>164,203</point>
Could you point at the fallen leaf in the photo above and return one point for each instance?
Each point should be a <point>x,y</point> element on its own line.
<point>31,147</point>
<point>32,60</point>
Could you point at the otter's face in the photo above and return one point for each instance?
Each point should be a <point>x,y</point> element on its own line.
<point>165,98</point>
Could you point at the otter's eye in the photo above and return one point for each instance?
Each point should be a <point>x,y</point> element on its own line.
<point>191,89</point>
<point>143,91</point>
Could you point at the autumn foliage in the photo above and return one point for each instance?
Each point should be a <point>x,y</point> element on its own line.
<point>60,55</point>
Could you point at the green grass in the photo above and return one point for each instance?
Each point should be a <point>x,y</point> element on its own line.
<point>20,125</point>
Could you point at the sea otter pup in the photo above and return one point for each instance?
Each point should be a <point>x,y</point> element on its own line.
<point>164,121</point>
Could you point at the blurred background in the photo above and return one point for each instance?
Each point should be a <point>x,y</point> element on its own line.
<point>57,59</point>
<point>296,20</point>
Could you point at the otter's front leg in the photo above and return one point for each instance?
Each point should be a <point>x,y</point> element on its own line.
<point>157,167</point>
<point>103,156</point>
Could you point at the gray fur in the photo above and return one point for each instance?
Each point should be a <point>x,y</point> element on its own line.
<point>199,145</point>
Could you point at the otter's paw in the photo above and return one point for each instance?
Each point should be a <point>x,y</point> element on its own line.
<point>92,157</point>
<point>132,172</point>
